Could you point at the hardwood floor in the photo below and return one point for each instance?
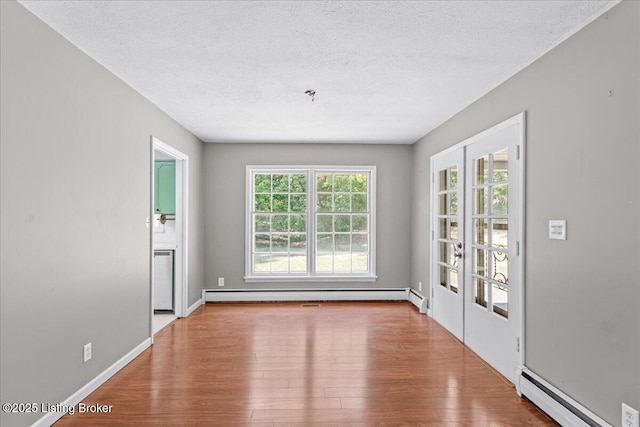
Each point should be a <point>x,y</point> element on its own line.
<point>281,364</point>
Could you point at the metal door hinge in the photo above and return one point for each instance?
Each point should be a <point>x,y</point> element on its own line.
<point>518,152</point>
<point>518,248</point>
<point>518,345</point>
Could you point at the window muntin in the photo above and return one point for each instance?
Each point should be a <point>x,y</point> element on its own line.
<point>279,217</point>
<point>342,222</point>
<point>490,231</point>
<point>334,205</point>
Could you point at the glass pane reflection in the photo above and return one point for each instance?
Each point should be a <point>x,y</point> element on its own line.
<point>500,199</point>
<point>499,232</point>
<point>500,166</point>
<point>481,169</point>
<point>453,281</point>
<point>480,262</point>
<point>480,201</point>
<point>480,232</point>
<point>500,266</point>
<point>443,276</point>
<point>453,230</point>
<point>480,292</point>
<point>500,298</point>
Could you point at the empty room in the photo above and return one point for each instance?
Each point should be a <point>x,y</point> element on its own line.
<point>320,213</point>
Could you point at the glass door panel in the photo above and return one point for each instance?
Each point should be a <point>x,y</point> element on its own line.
<point>490,263</point>
<point>447,241</point>
<point>492,298</point>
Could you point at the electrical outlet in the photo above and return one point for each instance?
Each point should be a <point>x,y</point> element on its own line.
<point>87,353</point>
<point>220,281</point>
<point>420,286</point>
<point>630,416</point>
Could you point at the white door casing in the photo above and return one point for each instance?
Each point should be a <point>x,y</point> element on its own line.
<point>181,271</point>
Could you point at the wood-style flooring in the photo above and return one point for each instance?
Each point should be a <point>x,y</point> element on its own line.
<point>293,364</point>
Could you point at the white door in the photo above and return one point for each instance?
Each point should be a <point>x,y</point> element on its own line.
<point>476,262</point>
<point>447,266</point>
<point>492,281</point>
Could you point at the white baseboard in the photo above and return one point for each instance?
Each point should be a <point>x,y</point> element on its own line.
<point>194,306</point>
<point>566,411</point>
<point>215,295</point>
<point>91,386</point>
<point>389,294</point>
<point>417,299</point>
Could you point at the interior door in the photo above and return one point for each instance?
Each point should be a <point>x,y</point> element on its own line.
<point>492,317</point>
<point>447,266</point>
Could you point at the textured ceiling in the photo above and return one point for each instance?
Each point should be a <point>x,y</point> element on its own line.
<point>383,71</point>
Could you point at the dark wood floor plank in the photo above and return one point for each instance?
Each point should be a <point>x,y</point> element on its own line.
<point>281,364</point>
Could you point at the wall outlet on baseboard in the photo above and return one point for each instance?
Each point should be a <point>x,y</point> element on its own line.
<point>630,416</point>
<point>86,356</point>
<point>220,281</point>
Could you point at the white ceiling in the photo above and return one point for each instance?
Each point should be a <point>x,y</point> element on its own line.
<point>383,71</point>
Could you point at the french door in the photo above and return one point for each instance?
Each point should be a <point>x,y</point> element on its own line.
<point>477,233</point>
<point>448,237</point>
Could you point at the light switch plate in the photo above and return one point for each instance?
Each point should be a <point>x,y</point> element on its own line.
<point>630,417</point>
<point>558,229</point>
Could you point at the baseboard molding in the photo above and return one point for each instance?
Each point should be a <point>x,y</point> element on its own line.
<point>194,307</point>
<point>271,295</point>
<point>91,386</point>
<point>417,299</point>
<point>555,403</point>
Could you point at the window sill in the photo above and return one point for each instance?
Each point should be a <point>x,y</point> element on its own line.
<point>336,278</point>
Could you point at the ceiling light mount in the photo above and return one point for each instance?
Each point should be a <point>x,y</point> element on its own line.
<point>311,93</point>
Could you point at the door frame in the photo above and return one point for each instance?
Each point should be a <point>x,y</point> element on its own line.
<point>516,120</point>
<point>181,270</point>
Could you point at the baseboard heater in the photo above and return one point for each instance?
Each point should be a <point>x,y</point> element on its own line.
<point>271,295</point>
<point>555,403</point>
<point>418,300</point>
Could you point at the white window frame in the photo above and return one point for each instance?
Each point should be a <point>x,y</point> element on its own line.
<point>310,275</point>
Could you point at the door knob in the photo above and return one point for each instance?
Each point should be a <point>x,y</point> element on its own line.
<point>458,254</point>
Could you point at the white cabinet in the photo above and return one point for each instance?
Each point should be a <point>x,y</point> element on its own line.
<point>163,280</point>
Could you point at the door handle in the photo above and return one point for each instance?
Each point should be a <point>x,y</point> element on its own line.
<point>459,253</point>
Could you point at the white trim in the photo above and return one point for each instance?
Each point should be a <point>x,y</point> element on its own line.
<point>216,295</point>
<point>194,307</point>
<point>92,385</point>
<point>553,408</point>
<point>306,278</point>
<point>521,119</point>
<point>417,299</point>
<point>518,118</point>
<point>182,230</point>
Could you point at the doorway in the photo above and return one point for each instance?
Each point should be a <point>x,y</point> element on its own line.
<point>169,254</point>
<point>477,284</point>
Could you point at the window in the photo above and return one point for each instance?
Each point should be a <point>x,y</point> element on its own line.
<point>310,223</point>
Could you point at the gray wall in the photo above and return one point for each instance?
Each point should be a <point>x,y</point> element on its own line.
<point>225,206</point>
<point>75,191</point>
<point>582,295</point>
<point>75,251</point>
